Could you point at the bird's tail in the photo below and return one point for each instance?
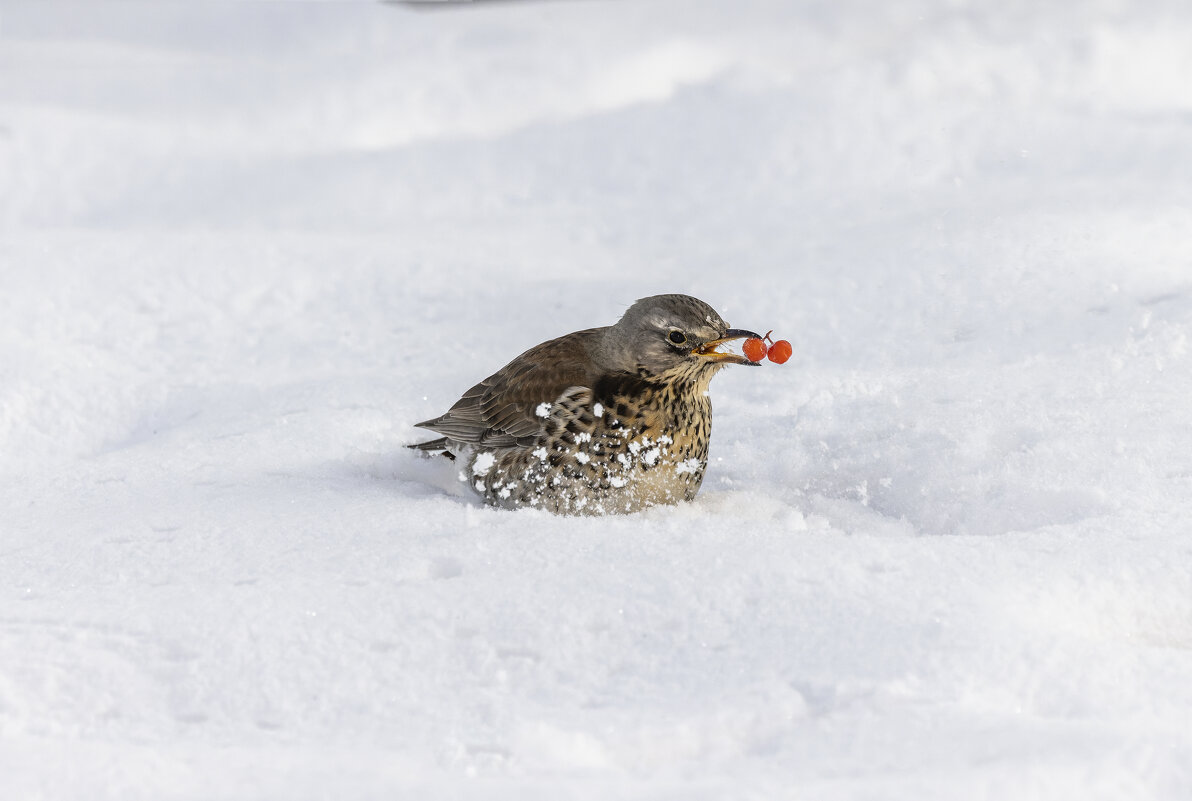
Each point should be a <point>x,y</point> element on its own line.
<point>434,446</point>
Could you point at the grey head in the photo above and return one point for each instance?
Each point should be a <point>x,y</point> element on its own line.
<point>669,335</point>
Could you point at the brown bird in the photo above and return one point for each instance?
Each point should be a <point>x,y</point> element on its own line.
<point>601,421</point>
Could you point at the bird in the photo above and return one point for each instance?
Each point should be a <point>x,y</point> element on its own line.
<point>606,420</point>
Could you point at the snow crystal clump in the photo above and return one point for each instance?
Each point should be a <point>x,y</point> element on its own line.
<point>482,464</point>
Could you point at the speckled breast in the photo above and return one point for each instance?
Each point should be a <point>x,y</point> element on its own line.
<point>618,448</point>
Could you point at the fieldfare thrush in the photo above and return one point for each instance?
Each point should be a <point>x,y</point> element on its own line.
<point>601,421</point>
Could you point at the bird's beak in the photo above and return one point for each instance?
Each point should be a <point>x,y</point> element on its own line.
<point>708,349</point>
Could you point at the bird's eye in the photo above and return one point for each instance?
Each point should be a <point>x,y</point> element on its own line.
<point>677,337</point>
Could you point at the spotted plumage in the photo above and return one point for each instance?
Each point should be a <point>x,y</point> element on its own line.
<point>601,421</point>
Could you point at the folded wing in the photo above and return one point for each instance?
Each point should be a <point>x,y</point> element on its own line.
<point>503,410</point>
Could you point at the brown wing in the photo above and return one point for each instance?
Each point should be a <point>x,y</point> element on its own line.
<point>501,410</point>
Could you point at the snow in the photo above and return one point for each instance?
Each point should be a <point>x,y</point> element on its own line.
<point>482,464</point>
<point>943,552</point>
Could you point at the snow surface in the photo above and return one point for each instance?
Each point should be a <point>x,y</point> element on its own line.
<point>944,552</point>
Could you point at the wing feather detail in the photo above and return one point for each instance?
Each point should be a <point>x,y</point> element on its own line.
<point>502,410</point>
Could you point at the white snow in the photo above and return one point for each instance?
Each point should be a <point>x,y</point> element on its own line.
<point>944,552</point>
<point>482,464</point>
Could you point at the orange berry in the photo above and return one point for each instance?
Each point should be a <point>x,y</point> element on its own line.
<point>780,351</point>
<point>754,349</point>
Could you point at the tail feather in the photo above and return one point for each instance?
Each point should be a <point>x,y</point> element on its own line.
<point>432,446</point>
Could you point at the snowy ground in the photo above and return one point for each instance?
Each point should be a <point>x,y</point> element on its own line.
<point>945,552</point>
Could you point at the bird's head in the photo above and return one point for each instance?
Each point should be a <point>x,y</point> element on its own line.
<point>670,335</point>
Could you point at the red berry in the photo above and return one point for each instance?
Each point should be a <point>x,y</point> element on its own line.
<point>754,349</point>
<point>780,351</point>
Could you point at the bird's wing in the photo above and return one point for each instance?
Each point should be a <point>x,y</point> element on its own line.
<point>503,409</point>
